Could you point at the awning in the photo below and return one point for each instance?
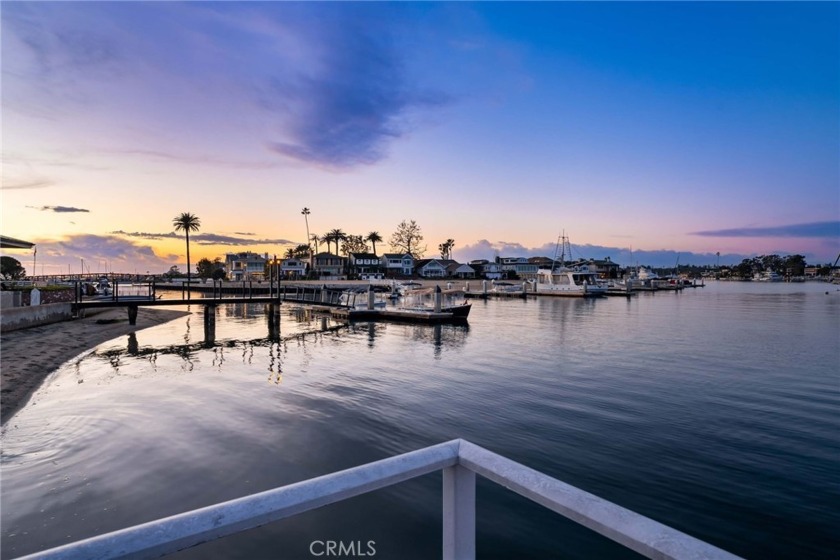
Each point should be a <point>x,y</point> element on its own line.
<point>12,243</point>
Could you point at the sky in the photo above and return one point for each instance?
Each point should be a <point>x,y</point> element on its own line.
<point>649,132</point>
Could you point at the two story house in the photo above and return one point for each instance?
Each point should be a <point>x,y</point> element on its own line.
<point>327,264</point>
<point>397,264</point>
<point>245,266</point>
<point>366,266</point>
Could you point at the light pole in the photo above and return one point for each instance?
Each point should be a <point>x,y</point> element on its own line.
<point>305,213</point>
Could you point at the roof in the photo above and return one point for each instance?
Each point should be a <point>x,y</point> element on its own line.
<point>364,256</point>
<point>396,255</point>
<point>12,243</point>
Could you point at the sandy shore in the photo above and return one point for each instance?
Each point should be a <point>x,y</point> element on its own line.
<point>28,356</point>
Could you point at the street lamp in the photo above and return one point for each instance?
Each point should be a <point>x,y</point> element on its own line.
<point>305,213</point>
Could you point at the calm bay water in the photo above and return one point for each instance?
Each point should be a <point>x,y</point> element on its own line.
<point>714,410</point>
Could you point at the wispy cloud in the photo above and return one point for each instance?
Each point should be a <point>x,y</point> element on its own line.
<point>207,238</point>
<point>59,209</point>
<point>814,229</point>
<point>202,159</point>
<point>36,184</point>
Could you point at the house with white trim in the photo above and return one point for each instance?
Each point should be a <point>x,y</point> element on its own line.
<point>397,264</point>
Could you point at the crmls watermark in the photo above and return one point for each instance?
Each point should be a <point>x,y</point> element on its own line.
<point>341,549</point>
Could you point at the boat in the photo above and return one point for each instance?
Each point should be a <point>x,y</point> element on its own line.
<point>358,299</point>
<point>768,276</point>
<point>451,302</point>
<point>579,281</point>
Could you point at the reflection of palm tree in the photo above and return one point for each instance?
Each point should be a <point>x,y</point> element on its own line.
<point>374,238</point>
<point>187,222</point>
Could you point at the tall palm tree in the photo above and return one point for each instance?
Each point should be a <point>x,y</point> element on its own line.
<point>374,238</point>
<point>315,239</point>
<point>187,222</point>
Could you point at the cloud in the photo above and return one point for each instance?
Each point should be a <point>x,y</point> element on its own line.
<point>59,209</point>
<point>244,233</point>
<point>346,108</point>
<point>207,238</point>
<point>145,235</point>
<point>36,184</point>
<point>814,229</point>
<point>101,251</point>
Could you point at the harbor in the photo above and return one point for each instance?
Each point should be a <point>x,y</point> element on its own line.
<point>526,378</point>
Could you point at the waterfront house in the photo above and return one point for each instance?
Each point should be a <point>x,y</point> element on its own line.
<point>459,270</point>
<point>327,264</point>
<point>487,269</point>
<point>397,264</point>
<point>518,266</point>
<point>604,268</point>
<point>245,266</point>
<point>293,268</point>
<point>430,268</point>
<point>366,266</point>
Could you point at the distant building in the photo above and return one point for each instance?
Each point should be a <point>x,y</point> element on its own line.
<point>245,266</point>
<point>366,266</point>
<point>487,269</point>
<point>430,268</point>
<point>397,264</point>
<point>327,264</point>
<point>520,266</point>
<point>460,270</point>
<point>293,268</point>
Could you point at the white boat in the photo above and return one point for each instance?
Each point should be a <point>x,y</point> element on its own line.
<point>569,282</point>
<point>565,281</point>
<point>768,276</point>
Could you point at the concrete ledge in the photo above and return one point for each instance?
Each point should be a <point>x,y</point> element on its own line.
<point>15,318</point>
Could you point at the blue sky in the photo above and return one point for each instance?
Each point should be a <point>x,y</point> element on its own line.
<point>668,128</point>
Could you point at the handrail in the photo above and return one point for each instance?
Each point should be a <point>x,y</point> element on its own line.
<point>460,461</point>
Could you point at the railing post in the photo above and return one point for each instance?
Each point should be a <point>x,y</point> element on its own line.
<point>458,513</point>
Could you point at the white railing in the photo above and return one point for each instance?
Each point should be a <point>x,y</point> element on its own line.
<point>460,461</point>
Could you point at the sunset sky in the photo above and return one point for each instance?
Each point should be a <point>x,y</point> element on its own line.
<point>669,128</point>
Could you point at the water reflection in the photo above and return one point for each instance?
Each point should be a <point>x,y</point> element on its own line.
<point>439,336</point>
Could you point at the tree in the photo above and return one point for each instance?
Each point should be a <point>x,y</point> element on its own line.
<point>795,265</point>
<point>187,222</point>
<point>374,238</point>
<point>407,239</point>
<point>446,249</point>
<point>205,267</point>
<point>11,269</point>
<point>335,236</point>
<point>354,244</point>
<point>290,253</point>
<point>315,239</point>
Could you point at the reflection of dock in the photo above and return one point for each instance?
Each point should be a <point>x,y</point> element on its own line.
<point>398,315</point>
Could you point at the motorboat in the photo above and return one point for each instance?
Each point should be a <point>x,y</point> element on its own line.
<point>569,282</point>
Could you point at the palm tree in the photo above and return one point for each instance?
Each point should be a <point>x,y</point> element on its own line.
<point>315,239</point>
<point>337,235</point>
<point>374,238</point>
<point>187,222</point>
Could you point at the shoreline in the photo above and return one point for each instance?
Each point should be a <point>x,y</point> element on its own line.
<point>29,356</point>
